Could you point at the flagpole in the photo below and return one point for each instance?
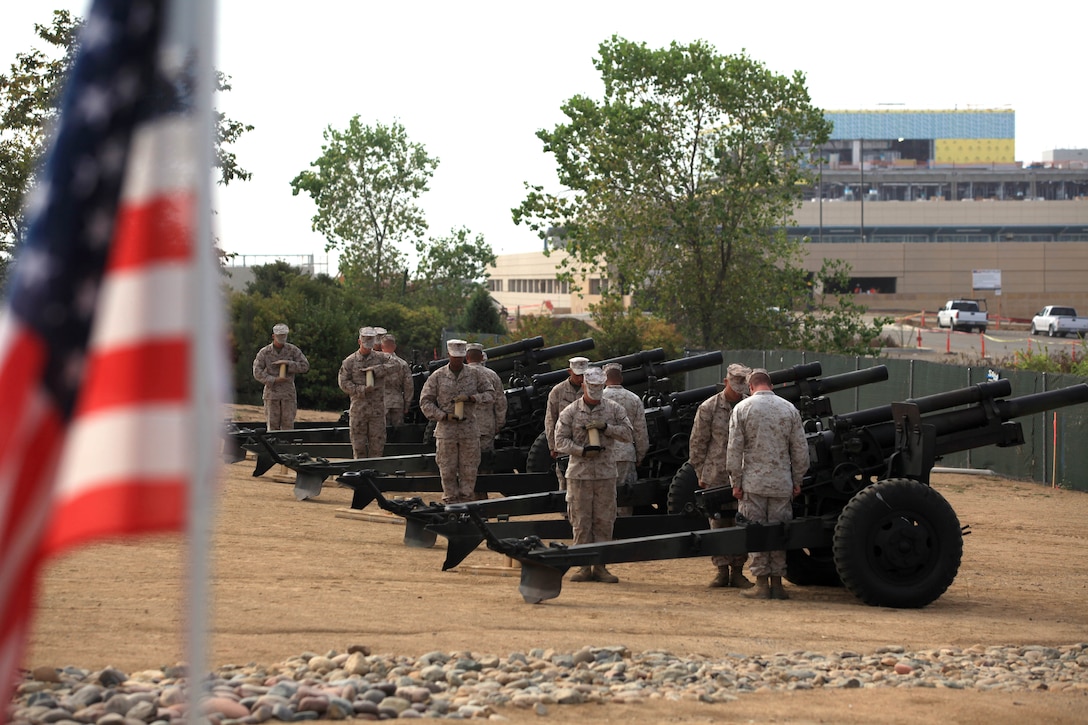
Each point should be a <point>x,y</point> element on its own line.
<point>208,389</point>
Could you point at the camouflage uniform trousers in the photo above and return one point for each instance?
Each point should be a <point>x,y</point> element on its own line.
<point>591,505</point>
<point>625,473</point>
<point>280,414</point>
<point>767,510</point>
<point>367,434</point>
<point>394,417</point>
<point>458,462</point>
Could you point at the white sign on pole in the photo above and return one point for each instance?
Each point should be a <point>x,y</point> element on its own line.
<point>986,279</point>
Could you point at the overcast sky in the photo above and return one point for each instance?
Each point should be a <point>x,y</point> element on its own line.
<point>473,81</point>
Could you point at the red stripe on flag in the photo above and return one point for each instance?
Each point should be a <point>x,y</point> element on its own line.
<point>30,508</point>
<point>118,508</point>
<point>158,231</point>
<point>21,370</point>
<point>156,371</point>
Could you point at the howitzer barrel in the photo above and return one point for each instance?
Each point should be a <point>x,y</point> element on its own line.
<point>641,358</point>
<point>529,343</point>
<point>670,367</point>
<point>947,424</point>
<point>928,403</point>
<point>816,387</point>
<point>645,357</point>
<point>797,372</point>
<point>684,364</point>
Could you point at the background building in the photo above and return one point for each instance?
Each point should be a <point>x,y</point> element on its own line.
<point>916,202</point>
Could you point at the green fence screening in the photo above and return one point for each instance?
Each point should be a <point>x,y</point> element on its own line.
<point>1055,448</point>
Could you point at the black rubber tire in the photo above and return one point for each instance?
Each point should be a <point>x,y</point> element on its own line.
<point>540,458</point>
<point>898,543</point>
<point>812,568</point>
<point>1033,330</point>
<point>682,488</point>
<point>1052,332</point>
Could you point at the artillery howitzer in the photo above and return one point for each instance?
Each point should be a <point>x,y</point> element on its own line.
<point>309,442</point>
<point>865,508</point>
<point>461,524</point>
<point>509,454</point>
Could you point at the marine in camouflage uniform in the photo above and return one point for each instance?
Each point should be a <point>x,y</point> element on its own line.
<point>591,475</point>
<point>627,455</point>
<point>400,390</point>
<point>707,446</point>
<point>367,412</point>
<point>559,397</point>
<point>767,458</point>
<point>490,418</point>
<point>280,403</point>
<point>457,441</point>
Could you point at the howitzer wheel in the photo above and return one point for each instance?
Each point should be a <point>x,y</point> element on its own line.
<point>539,458</point>
<point>898,543</point>
<point>682,488</point>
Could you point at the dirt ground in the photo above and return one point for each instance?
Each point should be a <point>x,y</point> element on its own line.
<point>293,577</point>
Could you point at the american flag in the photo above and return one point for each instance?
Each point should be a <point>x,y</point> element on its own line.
<point>99,343</point>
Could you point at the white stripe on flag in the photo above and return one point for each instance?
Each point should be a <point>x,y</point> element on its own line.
<point>126,445</point>
<point>144,304</point>
<point>162,160</point>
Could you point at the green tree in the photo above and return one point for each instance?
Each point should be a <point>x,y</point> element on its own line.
<point>365,184</point>
<point>29,102</point>
<point>481,315</point>
<point>678,173</point>
<point>449,270</point>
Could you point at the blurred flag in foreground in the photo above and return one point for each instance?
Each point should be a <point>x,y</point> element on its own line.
<point>110,339</point>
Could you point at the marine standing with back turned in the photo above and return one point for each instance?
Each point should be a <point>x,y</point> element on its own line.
<point>767,460</point>
<point>707,448</point>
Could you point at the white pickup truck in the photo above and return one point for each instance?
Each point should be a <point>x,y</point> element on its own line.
<point>1056,320</point>
<point>963,315</point>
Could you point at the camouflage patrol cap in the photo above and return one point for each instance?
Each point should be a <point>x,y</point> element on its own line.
<point>474,346</point>
<point>579,365</point>
<point>612,366</point>
<point>594,381</point>
<point>736,376</point>
<point>456,348</point>
<point>367,336</point>
<point>280,329</point>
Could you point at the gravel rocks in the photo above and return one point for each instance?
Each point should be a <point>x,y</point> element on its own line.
<point>356,685</point>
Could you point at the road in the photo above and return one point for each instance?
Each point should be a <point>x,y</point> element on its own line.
<point>993,345</point>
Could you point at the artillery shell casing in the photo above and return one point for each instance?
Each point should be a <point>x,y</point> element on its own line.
<point>370,378</point>
<point>283,370</point>
<point>459,410</point>
<point>594,437</point>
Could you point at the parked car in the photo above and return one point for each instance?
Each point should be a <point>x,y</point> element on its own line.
<point>963,315</point>
<point>1057,320</point>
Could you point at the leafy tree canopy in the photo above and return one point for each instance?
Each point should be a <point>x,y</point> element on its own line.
<point>450,268</point>
<point>29,103</point>
<point>365,184</point>
<point>481,315</point>
<point>680,174</point>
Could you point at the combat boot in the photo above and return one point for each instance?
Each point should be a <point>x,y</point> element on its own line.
<point>762,590</point>
<point>584,574</point>
<point>722,580</point>
<point>603,575</point>
<point>738,579</point>
<point>777,592</point>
